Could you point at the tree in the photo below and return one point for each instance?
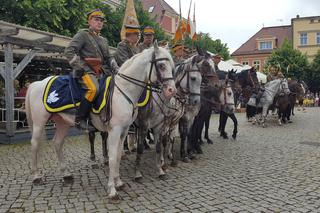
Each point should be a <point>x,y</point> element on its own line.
<point>66,17</point>
<point>204,41</point>
<point>312,75</point>
<point>291,61</point>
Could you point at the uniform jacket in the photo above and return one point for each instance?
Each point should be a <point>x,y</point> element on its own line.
<point>86,44</point>
<point>125,51</point>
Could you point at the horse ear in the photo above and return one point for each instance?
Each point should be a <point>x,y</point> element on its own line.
<point>155,44</point>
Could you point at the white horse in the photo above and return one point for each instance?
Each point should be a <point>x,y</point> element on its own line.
<point>160,111</point>
<point>272,88</point>
<point>153,67</point>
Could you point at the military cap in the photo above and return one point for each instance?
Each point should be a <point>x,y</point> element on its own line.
<point>95,13</point>
<point>148,30</point>
<point>177,46</point>
<point>132,28</point>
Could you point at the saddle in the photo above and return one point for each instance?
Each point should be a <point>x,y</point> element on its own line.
<point>64,93</point>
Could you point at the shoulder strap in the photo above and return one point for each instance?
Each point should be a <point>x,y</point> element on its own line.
<point>96,45</point>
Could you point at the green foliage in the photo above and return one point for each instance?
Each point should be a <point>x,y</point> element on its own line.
<point>66,17</point>
<point>312,75</point>
<point>204,41</point>
<point>291,61</point>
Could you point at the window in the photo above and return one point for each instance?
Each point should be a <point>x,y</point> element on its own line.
<point>265,45</point>
<point>303,39</point>
<point>151,9</point>
<point>256,64</point>
<point>318,38</point>
<point>245,63</point>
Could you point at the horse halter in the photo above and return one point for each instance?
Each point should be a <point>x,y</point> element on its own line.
<point>155,86</point>
<point>160,79</point>
<point>187,73</point>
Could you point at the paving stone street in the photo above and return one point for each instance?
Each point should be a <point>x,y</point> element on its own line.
<point>272,169</point>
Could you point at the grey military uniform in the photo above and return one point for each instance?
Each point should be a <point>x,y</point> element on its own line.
<point>143,46</point>
<point>87,44</point>
<point>124,52</point>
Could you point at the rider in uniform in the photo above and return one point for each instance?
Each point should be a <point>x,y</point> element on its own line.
<point>128,46</point>
<point>148,37</point>
<point>178,51</point>
<point>216,60</point>
<point>88,54</point>
<point>274,73</point>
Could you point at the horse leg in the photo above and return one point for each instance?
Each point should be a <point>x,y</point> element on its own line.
<point>118,182</point>
<point>183,129</point>
<point>279,117</point>
<point>160,145</point>
<point>114,145</point>
<point>37,134</point>
<point>207,125</point>
<point>142,132</point>
<point>235,125</point>
<point>92,136</point>
<point>61,131</point>
<point>104,137</point>
<point>223,121</point>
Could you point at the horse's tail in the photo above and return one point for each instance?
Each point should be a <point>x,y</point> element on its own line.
<point>28,108</point>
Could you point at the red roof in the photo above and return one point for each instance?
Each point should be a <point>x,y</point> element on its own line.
<point>279,33</point>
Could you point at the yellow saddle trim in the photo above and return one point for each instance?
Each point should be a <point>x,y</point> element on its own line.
<point>104,101</point>
<point>146,100</point>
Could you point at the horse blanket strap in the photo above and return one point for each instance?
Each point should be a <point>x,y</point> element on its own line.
<point>64,92</point>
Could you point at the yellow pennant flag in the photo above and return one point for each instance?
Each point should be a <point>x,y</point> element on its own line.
<point>130,18</point>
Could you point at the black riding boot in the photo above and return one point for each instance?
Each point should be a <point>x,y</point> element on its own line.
<point>81,121</point>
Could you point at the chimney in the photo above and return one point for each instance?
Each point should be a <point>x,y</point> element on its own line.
<point>297,16</point>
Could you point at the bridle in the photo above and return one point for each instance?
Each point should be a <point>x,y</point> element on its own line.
<point>154,86</point>
<point>186,73</point>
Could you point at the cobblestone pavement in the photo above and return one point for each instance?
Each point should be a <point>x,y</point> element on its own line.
<point>273,169</point>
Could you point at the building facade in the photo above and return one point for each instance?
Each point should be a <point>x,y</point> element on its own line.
<point>259,47</point>
<point>306,35</point>
<point>163,13</point>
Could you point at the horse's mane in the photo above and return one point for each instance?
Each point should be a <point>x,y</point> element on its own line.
<point>180,68</point>
<point>145,56</point>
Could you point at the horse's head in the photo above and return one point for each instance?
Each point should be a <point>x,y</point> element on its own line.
<point>284,87</point>
<point>226,98</point>
<point>189,78</point>
<point>161,71</point>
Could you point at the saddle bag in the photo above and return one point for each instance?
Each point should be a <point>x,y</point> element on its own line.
<point>95,64</point>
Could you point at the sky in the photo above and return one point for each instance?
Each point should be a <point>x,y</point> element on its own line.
<point>235,21</point>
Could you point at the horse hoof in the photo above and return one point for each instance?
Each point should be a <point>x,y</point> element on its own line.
<point>124,157</point>
<point>174,163</point>
<point>38,181</point>
<point>68,179</point>
<point>289,122</point>
<point>165,167</point>
<point>209,141</point>
<point>95,166</point>
<point>106,162</point>
<point>122,187</point>
<point>114,199</point>
<point>234,137</point>
<point>93,158</point>
<point>163,177</point>
<point>199,151</point>
<point>138,179</point>
<point>186,160</point>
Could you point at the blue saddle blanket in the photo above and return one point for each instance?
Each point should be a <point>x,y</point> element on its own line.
<point>64,92</point>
